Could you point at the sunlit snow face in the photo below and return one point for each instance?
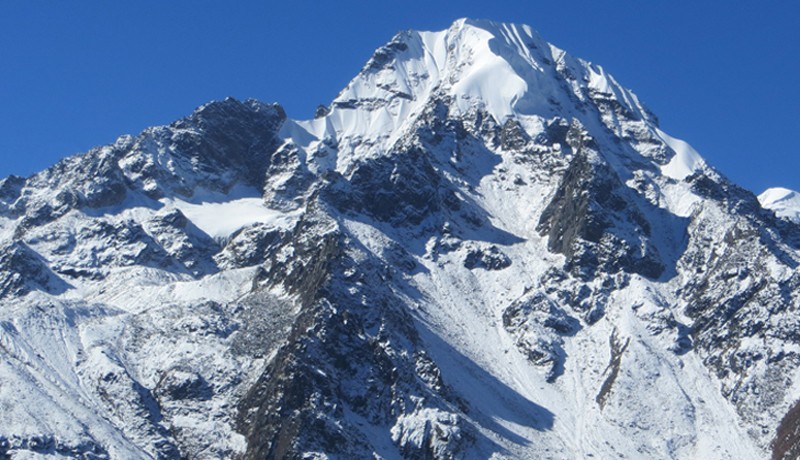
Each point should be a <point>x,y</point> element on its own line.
<point>785,202</point>
<point>221,219</point>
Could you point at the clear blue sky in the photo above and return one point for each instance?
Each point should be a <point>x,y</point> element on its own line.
<point>73,75</point>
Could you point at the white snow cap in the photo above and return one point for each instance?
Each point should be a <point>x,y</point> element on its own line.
<point>508,70</point>
<point>785,202</point>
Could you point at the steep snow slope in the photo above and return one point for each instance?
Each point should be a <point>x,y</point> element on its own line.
<point>484,248</point>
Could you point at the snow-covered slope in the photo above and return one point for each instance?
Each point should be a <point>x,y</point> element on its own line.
<point>483,248</point>
<point>785,202</point>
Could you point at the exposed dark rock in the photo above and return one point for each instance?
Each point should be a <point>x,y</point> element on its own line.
<point>386,53</point>
<point>287,179</point>
<point>183,242</point>
<point>556,131</point>
<point>252,246</point>
<point>612,371</point>
<point>98,245</point>
<point>178,384</point>
<point>786,445</point>
<point>396,256</point>
<point>402,189</point>
<point>22,271</point>
<point>221,144</point>
<point>734,298</point>
<point>513,136</point>
<point>237,136</point>
<point>491,258</point>
<point>321,111</point>
<point>10,189</point>
<point>297,404</point>
<point>135,406</point>
<point>593,219</point>
<point>313,244</point>
<point>538,324</point>
<point>737,200</point>
<point>46,445</point>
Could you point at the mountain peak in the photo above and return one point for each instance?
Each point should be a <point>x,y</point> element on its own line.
<point>505,67</point>
<point>785,202</point>
<point>500,71</point>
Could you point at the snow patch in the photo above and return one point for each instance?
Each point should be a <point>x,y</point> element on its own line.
<point>490,79</point>
<point>785,202</point>
<point>599,81</point>
<point>219,287</point>
<point>220,220</point>
<point>686,160</point>
<point>7,227</point>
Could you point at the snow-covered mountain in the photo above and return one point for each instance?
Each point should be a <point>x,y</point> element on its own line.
<point>482,248</point>
<point>785,202</point>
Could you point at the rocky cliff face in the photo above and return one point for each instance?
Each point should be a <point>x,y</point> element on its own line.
<point>483,247</point>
